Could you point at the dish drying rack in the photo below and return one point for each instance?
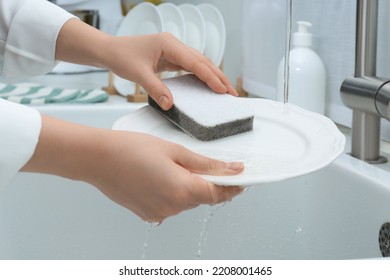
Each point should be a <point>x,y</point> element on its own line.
<point>138,96</point>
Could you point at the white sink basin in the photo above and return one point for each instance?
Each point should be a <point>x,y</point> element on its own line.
<point>335,213</point>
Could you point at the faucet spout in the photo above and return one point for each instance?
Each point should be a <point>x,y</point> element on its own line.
<point>367,95</point>
<point>366,37</point>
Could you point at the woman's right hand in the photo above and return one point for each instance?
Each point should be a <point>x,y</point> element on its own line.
<point>138,58</point>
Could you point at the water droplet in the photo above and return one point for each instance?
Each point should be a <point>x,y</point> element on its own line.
<point>149,226</point>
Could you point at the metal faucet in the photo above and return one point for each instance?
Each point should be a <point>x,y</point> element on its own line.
<point>367,95</point>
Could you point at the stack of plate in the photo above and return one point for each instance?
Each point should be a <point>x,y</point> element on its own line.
<point>201,27</point>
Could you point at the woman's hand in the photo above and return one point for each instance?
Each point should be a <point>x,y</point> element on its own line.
<point>151,177</point>
<point>156,179</point>
<point>152,54</point>
<point>138,58</point>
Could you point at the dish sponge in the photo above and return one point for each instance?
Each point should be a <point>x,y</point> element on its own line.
<point>202,113</point>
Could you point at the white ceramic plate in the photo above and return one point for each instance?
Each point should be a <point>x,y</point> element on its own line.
<point>215,33</point>
<point>286,142</point>
<point>143,19</point>
<point>195,27</point>
<point>174,23</point>
<point>69,2</point>
<point>173,20</point>
<point>70,68</point>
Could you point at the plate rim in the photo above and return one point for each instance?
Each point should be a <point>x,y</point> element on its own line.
<point>206,9</point>
<point>202,28</point>
<point>173,7</point>
<point>250,180</point>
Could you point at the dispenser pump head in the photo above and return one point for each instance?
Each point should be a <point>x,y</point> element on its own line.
<point>303,38</point>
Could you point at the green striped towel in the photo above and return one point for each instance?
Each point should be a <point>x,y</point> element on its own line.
<point>36,94</point>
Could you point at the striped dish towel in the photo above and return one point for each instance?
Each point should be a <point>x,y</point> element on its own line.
<point>35,94</point>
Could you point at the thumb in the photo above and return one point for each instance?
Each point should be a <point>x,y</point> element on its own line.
<point>207,193</point>
<point>157,90</point>
<point>204,165</point>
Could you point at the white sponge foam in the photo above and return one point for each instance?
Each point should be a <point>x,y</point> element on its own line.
<point>203,113</point>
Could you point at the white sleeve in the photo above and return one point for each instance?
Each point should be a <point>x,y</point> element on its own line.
<point>28,34</point>
<point>20,127</point>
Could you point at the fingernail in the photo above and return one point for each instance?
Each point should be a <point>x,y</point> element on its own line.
<point>163,101</point>
<point>235,166</point>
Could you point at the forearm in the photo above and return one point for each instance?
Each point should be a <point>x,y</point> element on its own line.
<point>80,43</point>
<point>66,149</point>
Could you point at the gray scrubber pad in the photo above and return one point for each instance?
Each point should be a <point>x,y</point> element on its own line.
<point>202,113</point>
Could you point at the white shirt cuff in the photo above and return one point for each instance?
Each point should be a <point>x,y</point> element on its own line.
<point>20,128</point>
<point>31,42</point>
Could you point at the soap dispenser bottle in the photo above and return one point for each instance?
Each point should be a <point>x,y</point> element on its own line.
<point>307,77</point>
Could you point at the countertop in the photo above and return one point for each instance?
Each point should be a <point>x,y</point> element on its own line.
<point>115,107</point>
<point>385,147</point>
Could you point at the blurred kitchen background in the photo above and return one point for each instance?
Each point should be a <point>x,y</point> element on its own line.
<point>255,40</point>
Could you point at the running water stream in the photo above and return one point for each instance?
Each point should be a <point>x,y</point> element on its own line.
<point>205,229</point>
<point>287,48</point>
<point>211,210</point>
